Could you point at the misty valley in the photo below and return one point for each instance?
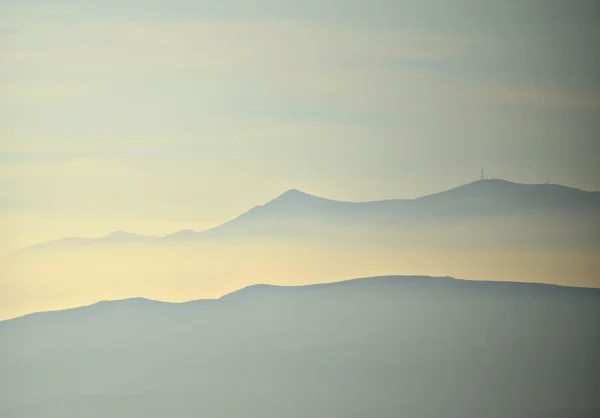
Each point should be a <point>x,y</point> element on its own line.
<point>485,230</point>
<point>310,343</point>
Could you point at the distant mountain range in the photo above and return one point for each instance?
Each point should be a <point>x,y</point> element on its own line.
<point>381,347</point>
<point>295,213</point>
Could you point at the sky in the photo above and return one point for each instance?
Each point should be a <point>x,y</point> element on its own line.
<point>153,116</point>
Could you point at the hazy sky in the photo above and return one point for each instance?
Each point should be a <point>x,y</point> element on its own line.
<point>158,115</point>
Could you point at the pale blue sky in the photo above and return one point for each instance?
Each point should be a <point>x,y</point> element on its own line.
<point>154,114</point>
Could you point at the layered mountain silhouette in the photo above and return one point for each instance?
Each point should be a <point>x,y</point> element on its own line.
<point>295,213</point>
<point>415,347</point>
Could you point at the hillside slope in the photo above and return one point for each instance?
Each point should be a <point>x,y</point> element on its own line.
<point>382,347</point>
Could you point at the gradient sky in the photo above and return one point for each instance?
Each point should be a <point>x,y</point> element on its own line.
<point>153,116</point>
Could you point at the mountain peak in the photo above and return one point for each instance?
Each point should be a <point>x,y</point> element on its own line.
<point>294,193</point>
<point>293,196</point>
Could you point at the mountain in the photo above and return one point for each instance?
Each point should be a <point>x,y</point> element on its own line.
<point>390,346</point>
<point>478,200</point>
<point>404,283</point>
<point>298,214</point>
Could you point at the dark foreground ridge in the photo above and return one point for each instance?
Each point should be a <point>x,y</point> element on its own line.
<point>366,283</point>
<point>382,347</point>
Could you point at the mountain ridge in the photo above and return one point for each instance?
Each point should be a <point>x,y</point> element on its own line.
<point>443,348</point>
<point>488,197</point>
<point>261,289</point>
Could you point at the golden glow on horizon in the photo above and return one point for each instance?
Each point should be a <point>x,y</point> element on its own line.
<point>52,281</point>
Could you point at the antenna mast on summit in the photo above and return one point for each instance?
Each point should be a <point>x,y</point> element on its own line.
<point>482,176</point>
